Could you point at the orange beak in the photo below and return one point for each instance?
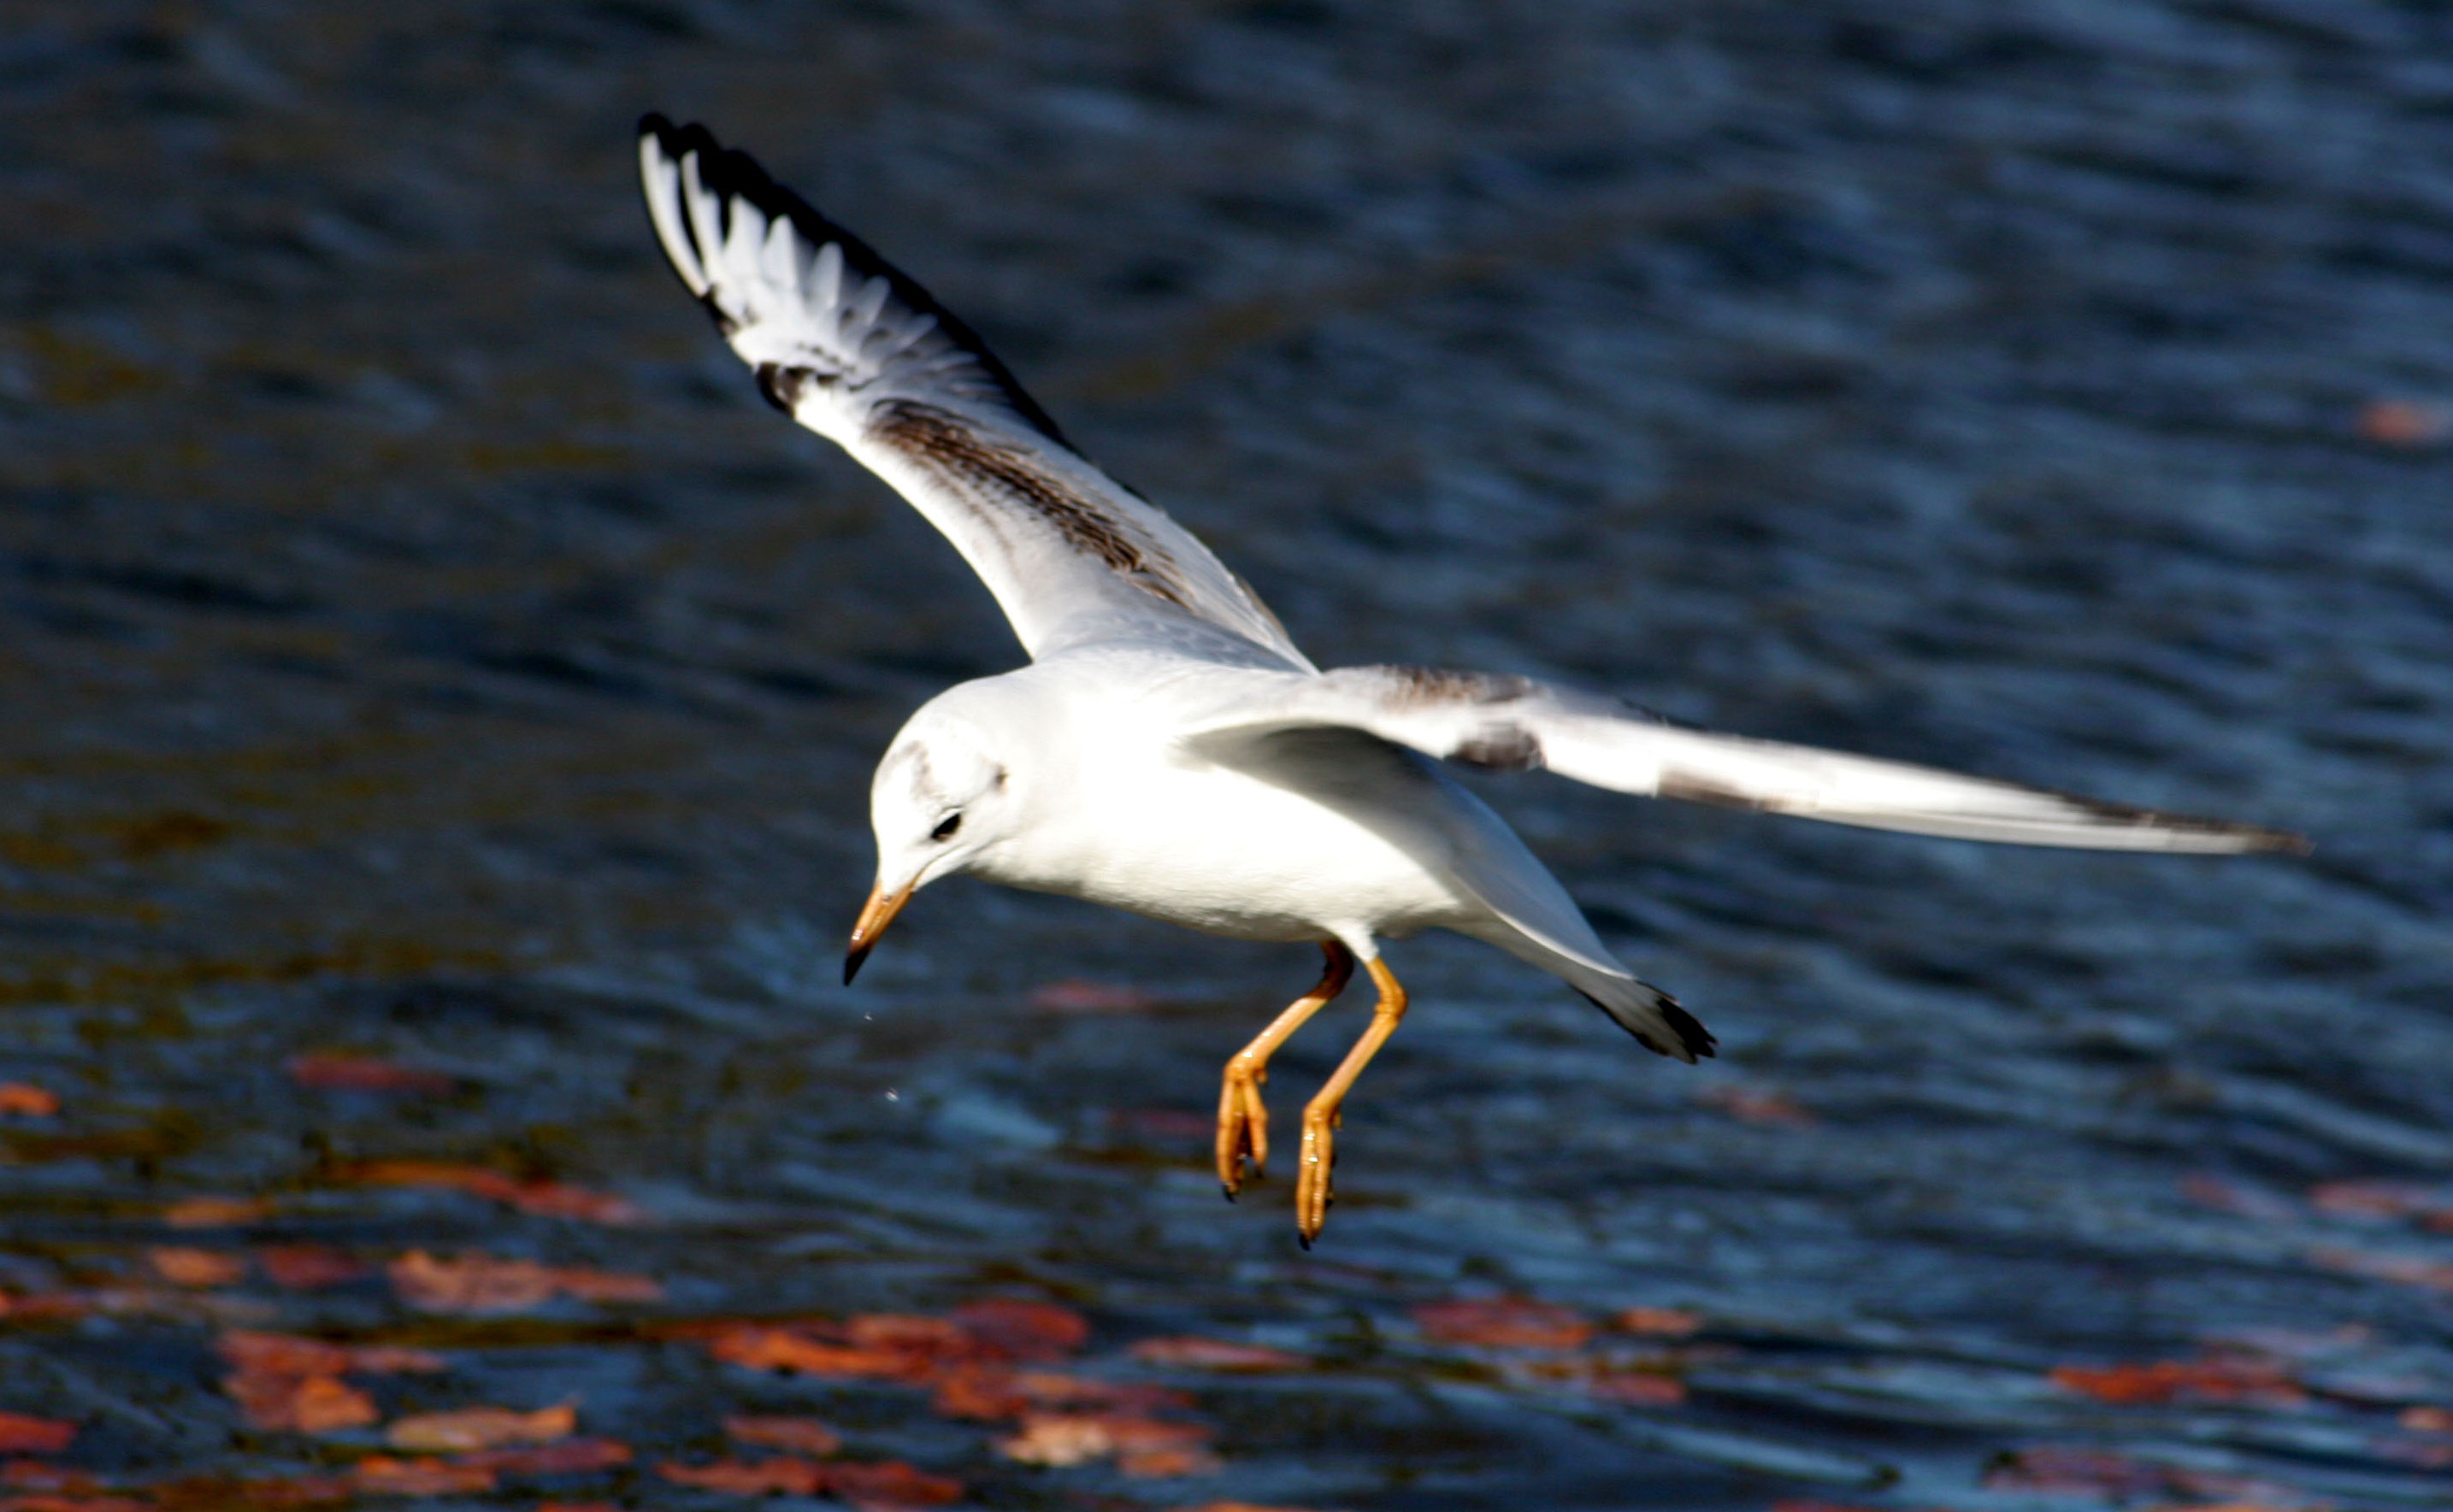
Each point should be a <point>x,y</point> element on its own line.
<point>874,916</point>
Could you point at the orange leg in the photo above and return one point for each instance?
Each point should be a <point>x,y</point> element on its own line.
<point>1322,1115</point>
<point>1243,1121</point>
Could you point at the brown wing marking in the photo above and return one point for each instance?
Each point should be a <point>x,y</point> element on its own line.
<point>944,442</point>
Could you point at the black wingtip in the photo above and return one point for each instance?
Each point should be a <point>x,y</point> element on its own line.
<point>728,170</point>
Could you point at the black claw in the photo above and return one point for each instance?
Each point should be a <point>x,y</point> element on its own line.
<point>1301,1239</point>
<point>1225,1191</point>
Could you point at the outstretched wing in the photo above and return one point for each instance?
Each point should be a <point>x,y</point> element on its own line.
<point>861,355</point>
<point>1488,719</point>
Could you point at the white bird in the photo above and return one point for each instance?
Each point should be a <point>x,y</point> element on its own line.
<point>1169,750</point>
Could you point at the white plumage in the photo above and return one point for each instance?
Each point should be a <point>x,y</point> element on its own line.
<point>1169,750</point>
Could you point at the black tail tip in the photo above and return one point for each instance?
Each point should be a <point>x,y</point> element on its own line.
<point>1696,1040</point>
<point>1691,1033</point>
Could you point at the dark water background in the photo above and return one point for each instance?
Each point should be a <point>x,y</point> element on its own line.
<point>421,642</point>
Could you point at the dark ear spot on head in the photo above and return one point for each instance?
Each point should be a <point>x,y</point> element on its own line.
<point>999,780</point>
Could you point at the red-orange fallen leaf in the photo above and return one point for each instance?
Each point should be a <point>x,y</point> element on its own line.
<point>1048,1388</point>
<point>23,1434</point>
<point>1659,1323</point>
<point>471,1284</point>
<point>1755,1105</point>
<point>35,1475</point>
<point>2404,423</point>
<point>908,1333</point>
<point>569,1456</point>
<point>1020,1329</point>
<point>479,1284</point>
<point>269,1354</point>
<point>300,1403</point>
<point>381,1475</point>
<point>761,1347</point>
<point>982,1393</point>
<point>2409,1270</point>
<point>888,1485</point>
<point>1075,995</point>
<point>2238,1198</point>
<point>2059,1470</point>
<point>2212,1380</point>
<point>2381,1200</point>
<point>480,1429</point>
<point>287,1491</point>
<point>216,1212</point>
<point>1215,1354</point>
<point>196,1267</point>
<point>25,1100</point>
<point>2426,1420</point>
<point>341,1072</point>
<point>305,1266</point>
<point>1152,1464</point>
<point>54,1502</point>
<point>1639,1388</point>
<point>35,1304</point>
<point>1077,1437</point>
<point>1503,1323</point>
<point>800,1435</point>
<point>776,1477</point>
<point>544,1199</point>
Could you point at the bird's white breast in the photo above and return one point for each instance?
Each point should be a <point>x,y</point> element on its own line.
<point>1119,815</point>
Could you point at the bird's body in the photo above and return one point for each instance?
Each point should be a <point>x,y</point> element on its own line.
<point>1300,835</point>
<point>1169,750</point>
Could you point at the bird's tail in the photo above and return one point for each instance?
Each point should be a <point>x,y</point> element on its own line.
<point>1639,1008</point>
<point>1651,1015</point>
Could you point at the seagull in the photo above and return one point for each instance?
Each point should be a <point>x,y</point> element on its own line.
<point>1169,750</point>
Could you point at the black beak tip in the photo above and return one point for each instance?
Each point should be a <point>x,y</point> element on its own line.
<point>852,961</point>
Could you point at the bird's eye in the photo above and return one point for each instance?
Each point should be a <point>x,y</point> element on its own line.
<point>947,826</point>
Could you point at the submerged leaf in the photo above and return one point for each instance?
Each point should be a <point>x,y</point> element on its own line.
<point>342,1072</point>
<point>1216,1354</point>
<point>21,1433</point>
<point>1060,1439</point>
<point>480,1284</point>
<point>303,1267</point>
<point>1659,1323</point>
<point>1503,1323</point>
<point>196,1267</point>
<point>295,1404</point>
<point>776,1477</point>
<point>800,1435</point>
<point>216,1212</point>
<point>381,1475</point>
<point>480,1429</point>
<point>25,1100</point>
<point>2218,1379</point>
<point>544,1199</point>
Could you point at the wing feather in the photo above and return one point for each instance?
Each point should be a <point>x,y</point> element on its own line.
<point>857,352</point>
<point>1494,721</point>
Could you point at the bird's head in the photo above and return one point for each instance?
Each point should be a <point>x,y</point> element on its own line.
<point>943,795</point>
